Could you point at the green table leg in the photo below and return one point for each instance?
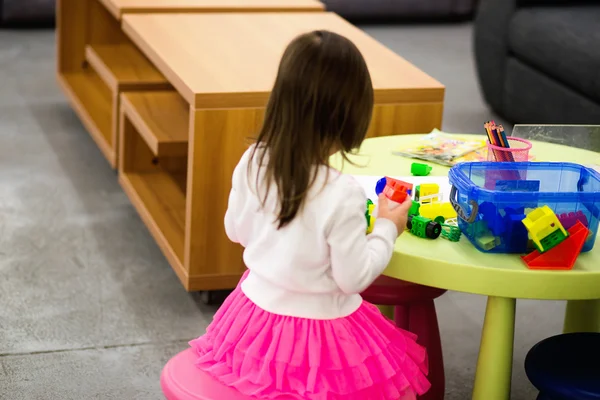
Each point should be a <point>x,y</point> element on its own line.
<point>494,366</point>
<point>388,311</point>
<point>582,316</point>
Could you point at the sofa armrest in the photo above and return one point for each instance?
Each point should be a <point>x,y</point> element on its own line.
<point>27,11</point>
<point>491,47</point>
<point>536,3</point>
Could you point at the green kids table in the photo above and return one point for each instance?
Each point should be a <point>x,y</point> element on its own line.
<point>502,277</point>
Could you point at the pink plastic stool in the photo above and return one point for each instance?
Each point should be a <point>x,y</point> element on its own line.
<point>414,311</point>
<point>182,380</point>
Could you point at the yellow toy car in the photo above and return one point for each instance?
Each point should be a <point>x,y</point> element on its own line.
<point>435,210</point>
<point>427,193</point>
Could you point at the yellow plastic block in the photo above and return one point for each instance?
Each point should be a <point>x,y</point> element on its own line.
<point>371,225</point>
<point>434,210</point>
<point>540,223</point>
<point>371,219</point>
<point>428,189</point>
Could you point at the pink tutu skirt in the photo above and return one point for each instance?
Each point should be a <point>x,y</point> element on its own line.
<point>267,356</point>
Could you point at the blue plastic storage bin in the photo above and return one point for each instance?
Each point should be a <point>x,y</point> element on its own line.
<point>492,198</point>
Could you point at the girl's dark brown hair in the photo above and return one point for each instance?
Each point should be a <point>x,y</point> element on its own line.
<point>322,102</point>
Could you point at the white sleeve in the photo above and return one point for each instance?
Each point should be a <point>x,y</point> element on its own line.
<point>230,216</point>
<point>358,259</point>
<point>235,201</point>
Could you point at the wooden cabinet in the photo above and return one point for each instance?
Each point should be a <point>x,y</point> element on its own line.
<point>174,99</point>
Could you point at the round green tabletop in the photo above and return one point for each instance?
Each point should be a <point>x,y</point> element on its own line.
<point>460,266</point>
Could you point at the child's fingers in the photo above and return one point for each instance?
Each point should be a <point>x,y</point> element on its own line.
<point>406,204</point>
<point>382,200</point>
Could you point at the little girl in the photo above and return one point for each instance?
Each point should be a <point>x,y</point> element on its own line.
<point>296,326</point>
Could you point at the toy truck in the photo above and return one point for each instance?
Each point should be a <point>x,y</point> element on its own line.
<point>436,210</point>
<point>427,192</point>
<point>423,227</point>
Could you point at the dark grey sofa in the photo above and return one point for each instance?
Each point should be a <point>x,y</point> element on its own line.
<point>400,9</point>
<point>30,12</point>
<point>538,61</point>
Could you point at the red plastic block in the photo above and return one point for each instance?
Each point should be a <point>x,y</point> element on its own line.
<point>563,255</point>
<point>397,190</point>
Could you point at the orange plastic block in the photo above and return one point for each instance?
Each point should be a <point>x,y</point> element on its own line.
<point>563,255</point>
<point>397,190</point>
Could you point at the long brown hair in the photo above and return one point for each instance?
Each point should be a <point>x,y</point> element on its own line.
<point>322,102</point>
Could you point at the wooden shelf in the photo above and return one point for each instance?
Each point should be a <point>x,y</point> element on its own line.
<point>123,67</point>
<point>160,201</point>
<point>161,119</point>
<point>92,101</point>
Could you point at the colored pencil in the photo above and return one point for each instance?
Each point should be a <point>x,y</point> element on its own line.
<point>498,143</point>
<point>492,138</point>
<point>505,143</point>
<point>497,137</point>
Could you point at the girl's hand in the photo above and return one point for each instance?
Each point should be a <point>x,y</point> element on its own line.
<point>399,215</point>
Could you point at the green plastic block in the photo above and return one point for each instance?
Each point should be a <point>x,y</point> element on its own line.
<point>478,228</point>
<point>552,240</point>
<point>450,232</point>
<point>418,169</point>
<point>419,224</point>
<point>488,242</point>
<point>414,209</point>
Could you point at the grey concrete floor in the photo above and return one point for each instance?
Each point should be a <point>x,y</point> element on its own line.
<point>89,308</point>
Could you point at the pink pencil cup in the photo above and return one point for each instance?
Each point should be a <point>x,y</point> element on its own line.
<point>518,151</point>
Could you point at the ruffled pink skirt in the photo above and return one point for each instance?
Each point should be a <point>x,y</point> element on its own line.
<point>359,357</point>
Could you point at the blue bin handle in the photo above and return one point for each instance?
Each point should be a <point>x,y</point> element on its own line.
<point>460,211</point>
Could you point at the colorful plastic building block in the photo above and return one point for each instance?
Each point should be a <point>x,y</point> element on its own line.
<point>518,186</point>
<point>478,228</point>
<point>380,185</point>
<point>562,256</point>
<point>414,209</point>
<point>369,216</point>
<point>488,242</point>
<point>418,169</point>
<point>423,227</point>
<point>568,220</point>
<point>516,234</point>
<point>425,192</point>
<point>516,210</point>
<point>544,228</point>
<point>450,232</point>
<point>434,210</point>
<point>491,215</point>
<point>483,238</point>
<point>397,190</point>
<point>552,240</point>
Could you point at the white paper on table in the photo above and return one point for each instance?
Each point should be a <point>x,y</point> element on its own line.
<point>369,182</point>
